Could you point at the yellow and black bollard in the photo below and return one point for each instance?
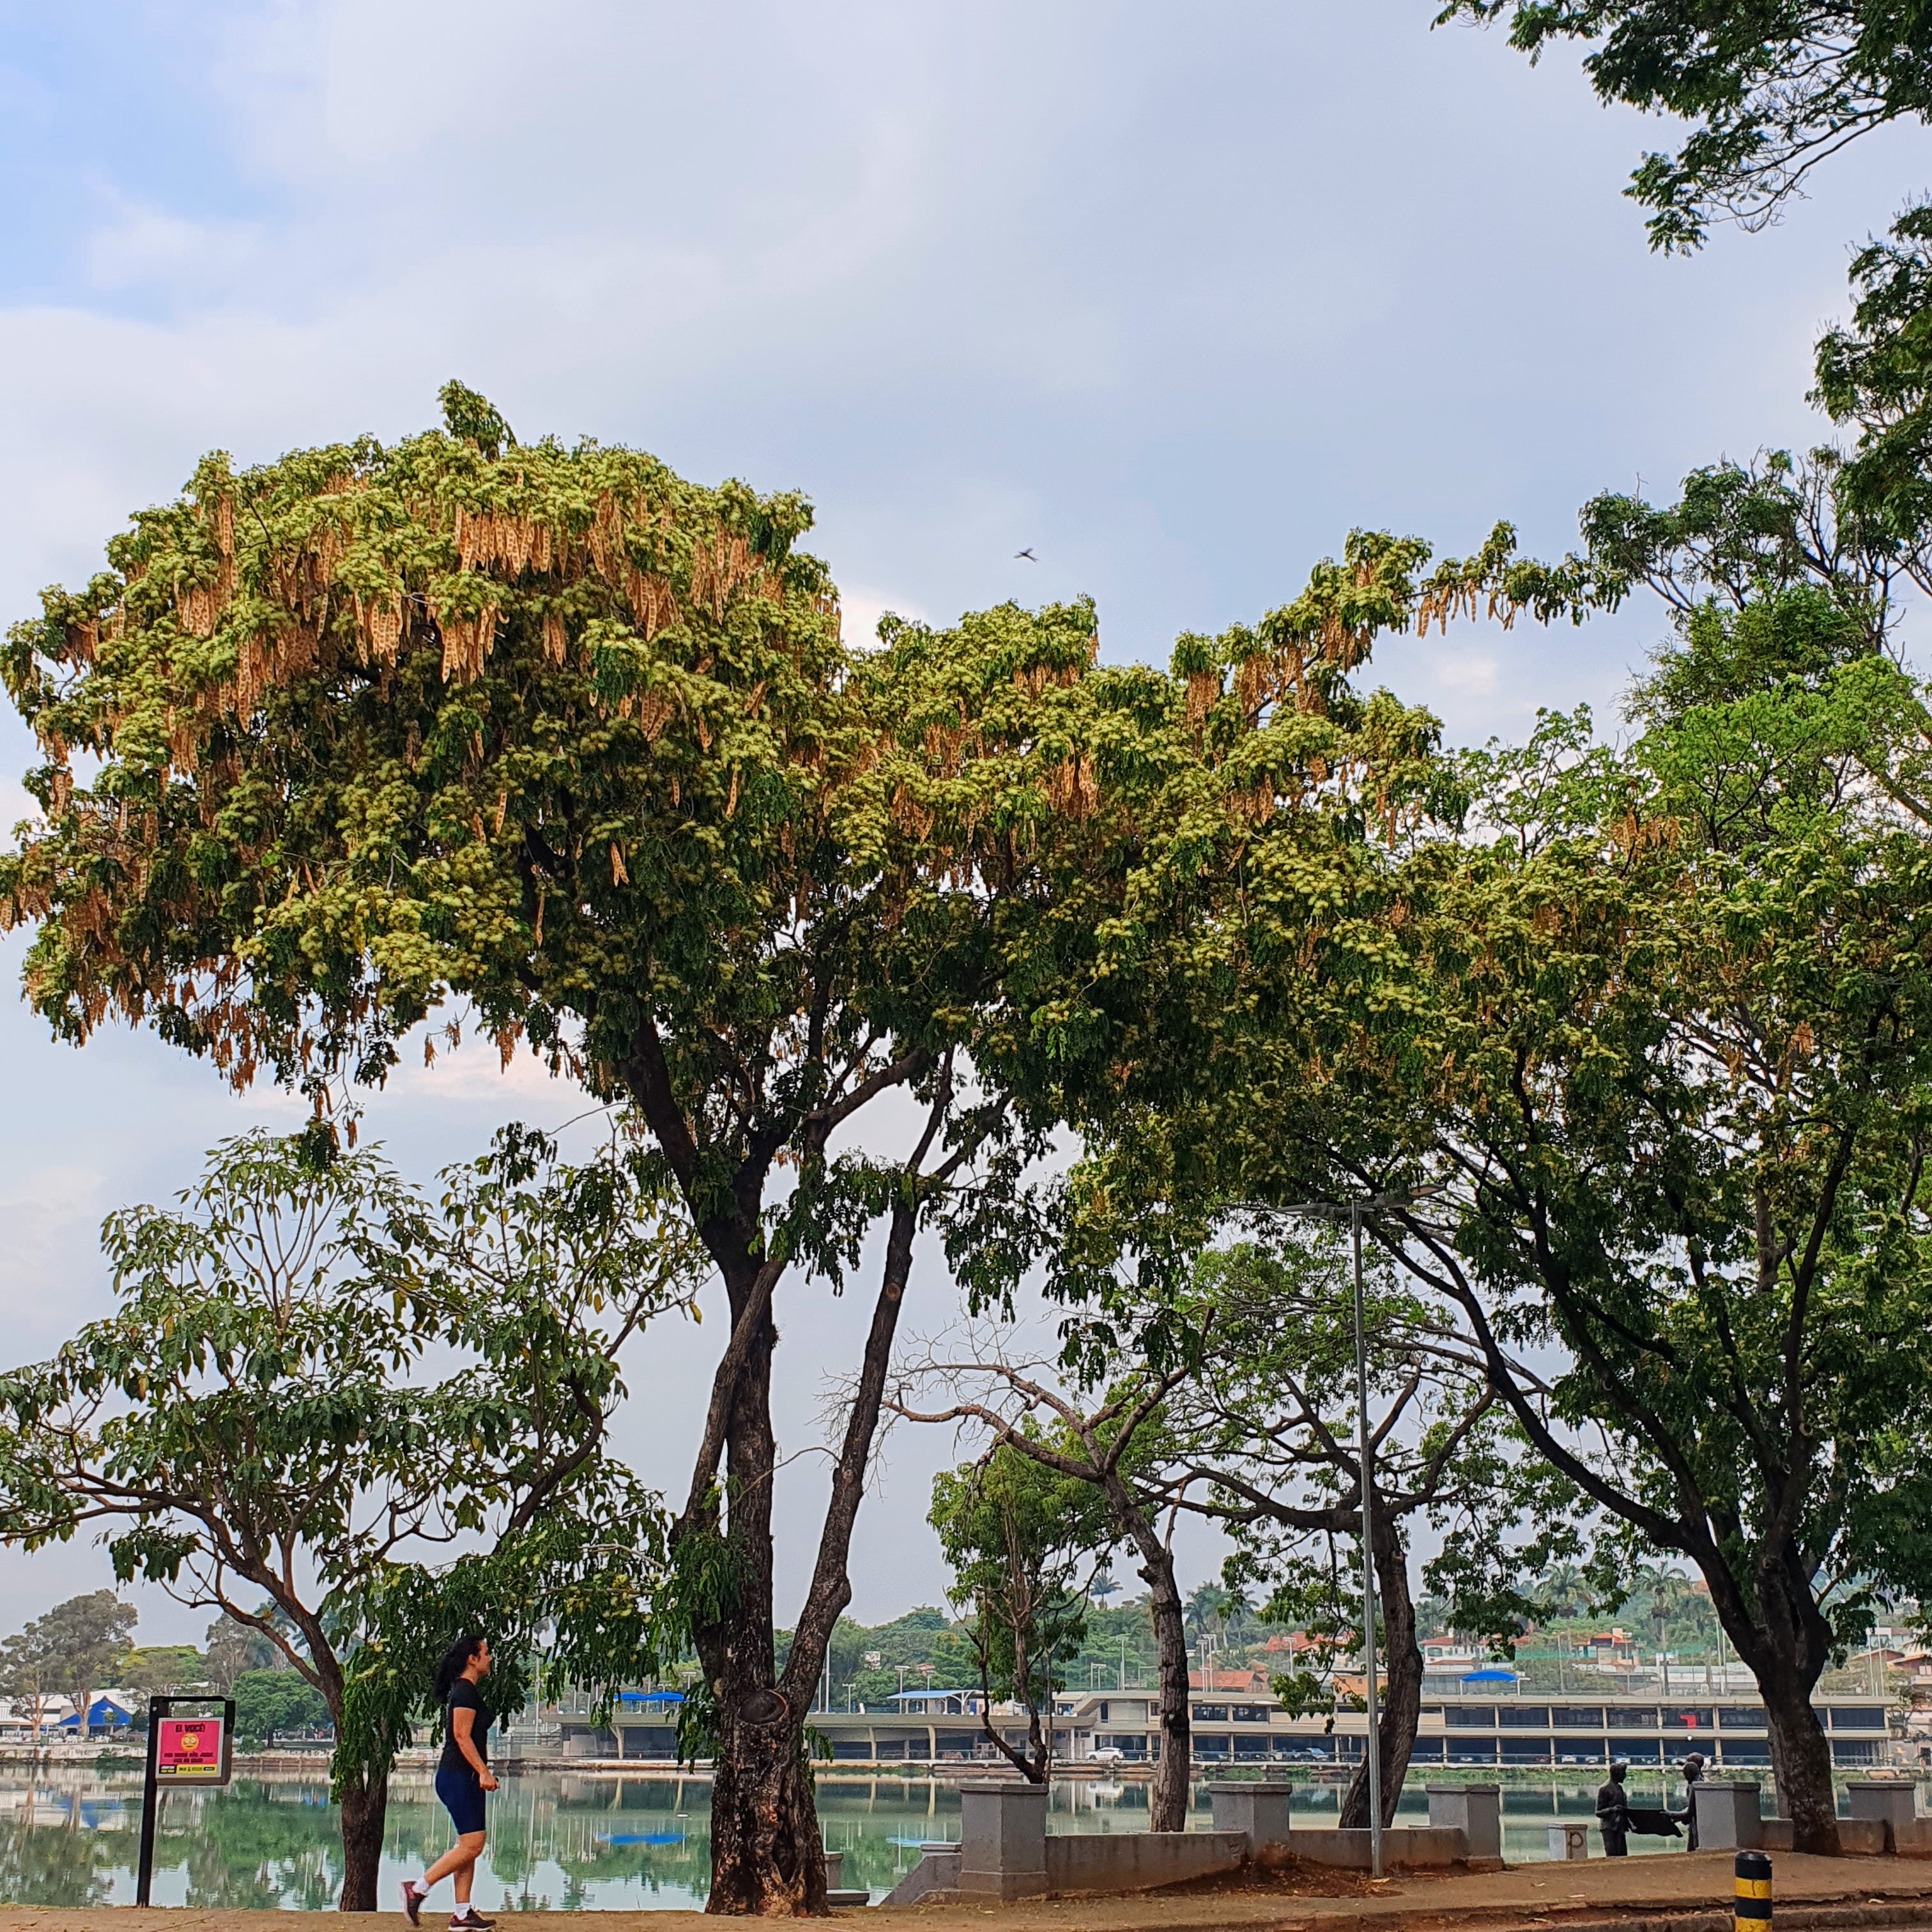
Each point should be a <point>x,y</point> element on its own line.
<point>1751,1908</point>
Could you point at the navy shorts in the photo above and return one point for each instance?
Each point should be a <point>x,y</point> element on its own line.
<point>462,1798</point>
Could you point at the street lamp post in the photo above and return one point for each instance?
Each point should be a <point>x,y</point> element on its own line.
<point>1354,1212</point>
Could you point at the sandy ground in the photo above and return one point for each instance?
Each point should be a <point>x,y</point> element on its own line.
<point>1552,1894</point>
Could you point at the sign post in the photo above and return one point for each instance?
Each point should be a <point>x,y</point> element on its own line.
<point>180,1750</point>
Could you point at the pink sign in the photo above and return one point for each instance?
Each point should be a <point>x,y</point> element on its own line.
<point>189,1748</point>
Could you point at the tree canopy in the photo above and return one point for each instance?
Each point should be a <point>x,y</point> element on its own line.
<point>1652,1021</point>
<point>317,1388</point>
<point>1772,89</point>
<point>1263,1438</point>
<point>1022,1541</point>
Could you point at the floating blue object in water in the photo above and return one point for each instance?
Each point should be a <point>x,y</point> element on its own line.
<point>645,1838</point>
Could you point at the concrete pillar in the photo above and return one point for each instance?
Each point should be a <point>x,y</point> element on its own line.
<point>1893,1801</point>
<point>1259,1809</point>
<point>1727,1813</point>
<point>1003,1837</point>
<point>1569,1841</point>
<point>1476,1810</point>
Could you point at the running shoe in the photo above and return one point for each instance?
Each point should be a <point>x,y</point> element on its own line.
<point>413,1896</point>
<point>470,1920</point>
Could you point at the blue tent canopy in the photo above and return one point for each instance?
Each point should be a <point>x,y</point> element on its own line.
<point>1489,1677</point>
<point>649,1697</point>
<point>103,1711</point>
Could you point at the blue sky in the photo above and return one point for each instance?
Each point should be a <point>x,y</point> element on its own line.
<point>1173,296</point>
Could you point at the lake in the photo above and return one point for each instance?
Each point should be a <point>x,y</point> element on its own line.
<point>558,1841</point>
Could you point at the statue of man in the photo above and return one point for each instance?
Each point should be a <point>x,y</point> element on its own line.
<point>1693,1769</point>
<point>1613,1811</point>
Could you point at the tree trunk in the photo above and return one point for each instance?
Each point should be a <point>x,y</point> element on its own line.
<point>1800,1757</point>
<point>1167,1799</point>
<point>766,1857</point>
<point>1401,1701</point>
<point>365,1811</point>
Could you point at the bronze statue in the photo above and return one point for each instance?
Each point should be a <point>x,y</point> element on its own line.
<point>1613,1811</point>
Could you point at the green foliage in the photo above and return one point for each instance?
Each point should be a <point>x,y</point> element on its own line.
<point>315,1372</point>
<point>553,707</point>
<point>1018,1537</point>
<point>1654,1021</point>
<point>472,419</point>
<point>234,1647</point>
<point>1269,1422</point>
<point>30,1672</point>
<point>1772,88</point>
<point>161,1670</point>
<point>1669,1015</point>
<point>553,734</point>
<point>76,1648</point>
<point>1872,376</point>
<point>269,1702</point>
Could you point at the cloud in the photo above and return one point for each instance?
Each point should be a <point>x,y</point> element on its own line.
<point>861,606</point>
<point>52,1214</point>
<point>196,259</point>
<point>1473,672</point>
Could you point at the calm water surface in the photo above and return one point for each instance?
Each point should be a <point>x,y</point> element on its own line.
<point>558,1840</point>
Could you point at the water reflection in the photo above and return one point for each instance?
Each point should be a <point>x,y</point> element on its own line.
<point>559,1841</point>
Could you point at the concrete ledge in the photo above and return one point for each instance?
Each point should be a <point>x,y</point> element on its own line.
<point>1858,1837</point>
<point>1911,1837</point>
<point>1138,1861</point>
<point>938,1871</point>
<point>1405,1847</point>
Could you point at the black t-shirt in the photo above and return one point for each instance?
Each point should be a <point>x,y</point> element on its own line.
<point>463,1697</point>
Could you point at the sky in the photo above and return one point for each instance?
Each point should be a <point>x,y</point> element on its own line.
<point>1172,297</point>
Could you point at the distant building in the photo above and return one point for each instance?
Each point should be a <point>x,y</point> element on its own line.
<point>1248,1726</point>
<point>111,1711</point>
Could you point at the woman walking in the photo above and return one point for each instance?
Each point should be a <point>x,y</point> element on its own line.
<point>461,1779</point>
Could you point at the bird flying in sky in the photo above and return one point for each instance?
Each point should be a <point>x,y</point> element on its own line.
<point>1027,553</point>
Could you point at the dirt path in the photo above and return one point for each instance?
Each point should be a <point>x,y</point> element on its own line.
<point>1556,1895</point>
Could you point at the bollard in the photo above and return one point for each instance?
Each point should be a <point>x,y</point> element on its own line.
<point>1569,1841</point>
<point>1751,1908</point>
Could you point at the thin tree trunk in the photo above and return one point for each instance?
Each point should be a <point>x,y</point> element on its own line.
<point>1034,1770</point>
<point>1402,1700</point>
<point>790,1803</point>
<point>1167,1799</point>
<point>364,1811</point>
